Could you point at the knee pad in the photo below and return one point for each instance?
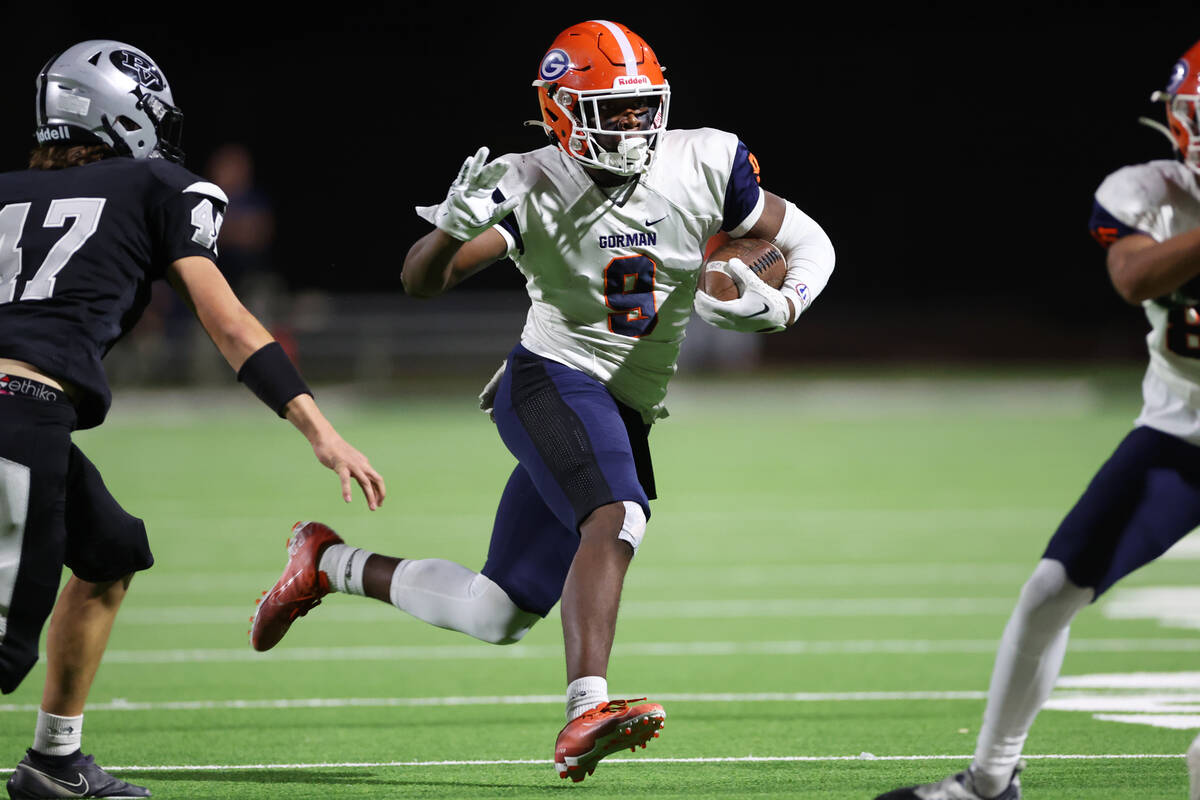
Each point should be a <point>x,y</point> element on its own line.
<point>1049,600</point>
<point>498,619</point>
<point>634,526</point>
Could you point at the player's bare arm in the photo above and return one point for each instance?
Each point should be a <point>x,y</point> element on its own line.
<point>1142,268</point>
<point>234,330</point>
<point>464,241</point>
<point>335,452</point>
<point>437,261</point>
<point>767,227</point>
<point>239,336</point>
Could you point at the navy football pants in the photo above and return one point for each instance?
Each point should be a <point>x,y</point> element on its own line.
<point>579,449</point>
<point>1143,500</point>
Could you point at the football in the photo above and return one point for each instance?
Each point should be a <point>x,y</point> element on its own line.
<point>759,255</point>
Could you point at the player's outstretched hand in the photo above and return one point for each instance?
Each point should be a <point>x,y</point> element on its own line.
<point>759,309</point>
<point>469,208</point>
<point>336,453</point>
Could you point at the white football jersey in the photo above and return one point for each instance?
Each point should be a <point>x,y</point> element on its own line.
<point>1160,199</point>
<point>611,273</point>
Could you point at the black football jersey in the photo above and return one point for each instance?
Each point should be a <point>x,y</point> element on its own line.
<point>79,249</point>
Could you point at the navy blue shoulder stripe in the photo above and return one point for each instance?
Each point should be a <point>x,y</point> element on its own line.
<point>741,193</point>
<point>509,223</point>
<point>1105,228</point>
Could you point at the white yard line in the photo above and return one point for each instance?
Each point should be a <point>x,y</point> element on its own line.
<point>494,700</point>
<point>1068,700</point>
<point>181,587</point>
<point>747,608</point>
<point>644,649</point>
<point>616,761</point>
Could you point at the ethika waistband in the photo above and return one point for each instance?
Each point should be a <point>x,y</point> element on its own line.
<point>35,390</point>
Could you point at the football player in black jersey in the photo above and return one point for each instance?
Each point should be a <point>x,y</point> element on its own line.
<point>105,209</point>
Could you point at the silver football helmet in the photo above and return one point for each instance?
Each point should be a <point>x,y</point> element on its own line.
<point>110,92</point>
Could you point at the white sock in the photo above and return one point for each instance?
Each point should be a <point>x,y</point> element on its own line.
<point>451,596</point>
<point>343,565</point>
<point>1193,764</point>
<point>57,736</point>
<point>1027,665</point>
<point>584,694</point>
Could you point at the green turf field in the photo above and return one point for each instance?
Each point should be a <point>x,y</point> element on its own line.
<point>816,603</point>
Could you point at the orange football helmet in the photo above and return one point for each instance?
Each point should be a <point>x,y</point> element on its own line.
<point>589,66</point>
<point>1182,97</point>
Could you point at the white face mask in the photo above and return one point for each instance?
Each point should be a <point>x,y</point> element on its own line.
<point>1184,110</point>
<point>633,151</point>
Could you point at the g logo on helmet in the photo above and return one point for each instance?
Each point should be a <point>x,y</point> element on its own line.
<point>554,65</point>
<point>1178,73</point>
<point>139,68</point>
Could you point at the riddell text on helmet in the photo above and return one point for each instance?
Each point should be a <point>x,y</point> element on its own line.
<point>55,134</point>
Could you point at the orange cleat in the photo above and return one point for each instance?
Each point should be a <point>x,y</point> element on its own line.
<point>602,731</point>
<point>298,590</point>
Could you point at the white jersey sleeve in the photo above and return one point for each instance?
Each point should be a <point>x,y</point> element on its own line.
<point>611,274</point>
<point>1160,199</point>
<point>1157,198</point>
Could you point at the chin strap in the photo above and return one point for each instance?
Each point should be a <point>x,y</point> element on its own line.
<point>631,157</point>
<point>1163,129</point>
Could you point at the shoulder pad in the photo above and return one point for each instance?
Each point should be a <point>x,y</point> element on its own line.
<point>527,169</point>
<point>208,190</point>
<point>1132,192</point>
<point>183,180</point>
<point>703,141</point>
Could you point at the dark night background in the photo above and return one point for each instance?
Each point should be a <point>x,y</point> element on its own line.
<point>951,156</point>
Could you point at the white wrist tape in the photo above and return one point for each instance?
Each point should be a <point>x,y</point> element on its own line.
<point>809,255</point>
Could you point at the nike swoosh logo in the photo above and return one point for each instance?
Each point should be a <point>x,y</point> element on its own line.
<point>79,787</point>
<point>655,222</point>
<point>765,309</point>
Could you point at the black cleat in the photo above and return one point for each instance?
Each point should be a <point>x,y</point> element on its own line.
<point>959,786</point>
<point>38,777</point>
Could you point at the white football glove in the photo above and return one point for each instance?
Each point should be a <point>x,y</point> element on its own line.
<point>487,398</point>
<point>760,309</point>
<point>469,209</point>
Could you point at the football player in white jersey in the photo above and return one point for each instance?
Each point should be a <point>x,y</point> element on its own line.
<point>1146,496</point>
<point>608,224</point>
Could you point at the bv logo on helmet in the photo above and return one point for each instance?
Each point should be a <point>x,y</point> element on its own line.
<point>139,68</point>
<point>554,65</point>
<point>1178,73</point>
